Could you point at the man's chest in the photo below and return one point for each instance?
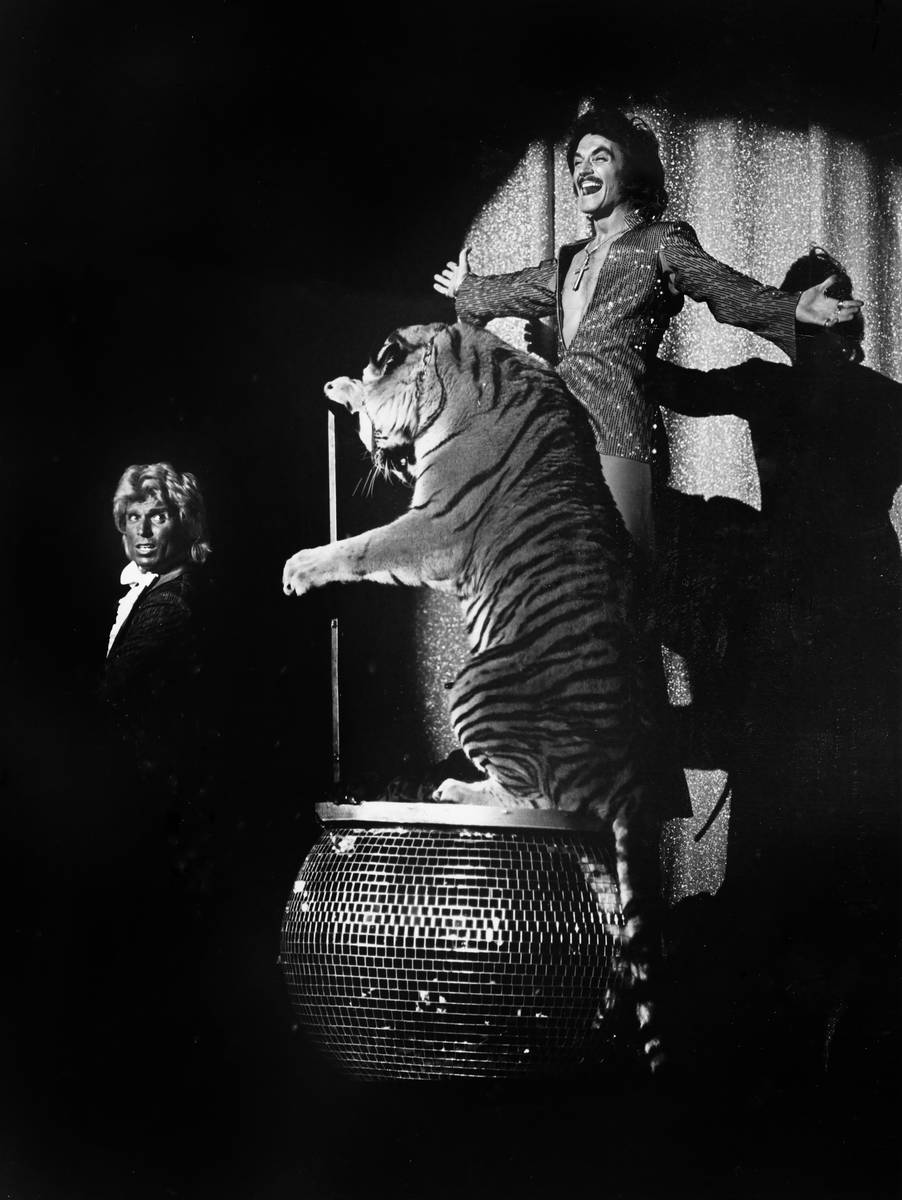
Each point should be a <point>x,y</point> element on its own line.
<point>616,282</point>
<point>578,289</point>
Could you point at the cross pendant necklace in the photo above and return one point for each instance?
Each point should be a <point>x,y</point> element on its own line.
<point>590,250</point>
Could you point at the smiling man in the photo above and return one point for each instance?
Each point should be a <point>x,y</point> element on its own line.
<point>613,295</point>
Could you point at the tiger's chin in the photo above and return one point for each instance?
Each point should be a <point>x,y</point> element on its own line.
<point>487,792</point>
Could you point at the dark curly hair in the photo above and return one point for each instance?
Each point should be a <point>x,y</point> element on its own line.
<point>813,268</point>
<point>643,177</point>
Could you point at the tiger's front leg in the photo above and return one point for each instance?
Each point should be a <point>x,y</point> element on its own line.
<point>402,552</point>
<point>309,569</point>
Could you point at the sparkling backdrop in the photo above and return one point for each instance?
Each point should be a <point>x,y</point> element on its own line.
<point>758,197</point>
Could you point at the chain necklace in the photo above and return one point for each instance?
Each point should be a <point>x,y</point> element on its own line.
<point>590,250</point>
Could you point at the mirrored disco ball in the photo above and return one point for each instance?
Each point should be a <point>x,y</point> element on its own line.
<point>432,940</point>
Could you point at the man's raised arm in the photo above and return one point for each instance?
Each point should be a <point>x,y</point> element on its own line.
<point>478,298</point>
<point>735,299</point>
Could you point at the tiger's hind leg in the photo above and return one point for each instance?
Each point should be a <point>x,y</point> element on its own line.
<point>497,739</point>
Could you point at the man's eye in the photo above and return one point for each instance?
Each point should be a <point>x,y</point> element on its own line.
<point>160,518</point>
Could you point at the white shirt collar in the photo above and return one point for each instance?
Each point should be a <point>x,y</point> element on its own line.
<point>133,576</point>
<point>137,581</point>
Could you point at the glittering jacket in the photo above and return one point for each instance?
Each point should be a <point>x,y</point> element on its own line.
<point>606,363</point>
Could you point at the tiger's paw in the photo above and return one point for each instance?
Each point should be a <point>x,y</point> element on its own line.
<point>304,571</point>
<point>487,792</point>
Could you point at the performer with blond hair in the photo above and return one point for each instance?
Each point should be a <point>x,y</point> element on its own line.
<point>156,665</point>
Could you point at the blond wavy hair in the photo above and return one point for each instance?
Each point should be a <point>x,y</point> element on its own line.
<point>177,490</point>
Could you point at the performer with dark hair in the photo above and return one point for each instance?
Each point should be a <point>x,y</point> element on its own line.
<point>614,293</point>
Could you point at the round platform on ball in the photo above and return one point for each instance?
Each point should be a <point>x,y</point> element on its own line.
<point>395,812</point>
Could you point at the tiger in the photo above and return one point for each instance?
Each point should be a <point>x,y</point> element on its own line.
<point>510,513</point>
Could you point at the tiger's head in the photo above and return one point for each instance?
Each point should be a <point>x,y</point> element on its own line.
<point>394,400</point>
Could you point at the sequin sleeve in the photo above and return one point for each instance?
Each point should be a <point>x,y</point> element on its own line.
<point>733,298</point>
<point>527,293</point>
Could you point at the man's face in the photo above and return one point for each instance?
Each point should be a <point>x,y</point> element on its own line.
<point>597,175</point>
<point>153,537</point>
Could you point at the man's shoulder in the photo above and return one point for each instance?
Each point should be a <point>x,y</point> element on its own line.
<point>672,226</point>
<point>173,593</point>
<point>655,234</point>
<point>170,599</point>
<point>179,589</point>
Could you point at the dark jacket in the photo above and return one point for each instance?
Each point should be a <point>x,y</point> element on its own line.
<point>156,681</point>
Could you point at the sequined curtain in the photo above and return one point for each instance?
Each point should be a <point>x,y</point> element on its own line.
<point>758,197</point>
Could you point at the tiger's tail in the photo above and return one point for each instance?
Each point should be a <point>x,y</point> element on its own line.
<point>636,833</point>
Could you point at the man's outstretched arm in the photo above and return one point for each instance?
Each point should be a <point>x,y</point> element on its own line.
<point>735,299</point>
<point>478,298</point>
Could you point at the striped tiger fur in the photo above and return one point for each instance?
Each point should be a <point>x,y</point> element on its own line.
<point>510,513</point>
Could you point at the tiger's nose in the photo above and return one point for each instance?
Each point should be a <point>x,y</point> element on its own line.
<point>334,392</point>
<point>344,391</point>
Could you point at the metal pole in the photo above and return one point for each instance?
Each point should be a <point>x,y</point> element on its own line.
<point>333,537</point>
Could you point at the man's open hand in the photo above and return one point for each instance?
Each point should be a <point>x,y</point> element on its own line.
<point>448,281</point>
<point>816,308</point>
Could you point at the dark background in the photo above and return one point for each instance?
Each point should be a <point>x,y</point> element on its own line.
<point>208,210</point>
